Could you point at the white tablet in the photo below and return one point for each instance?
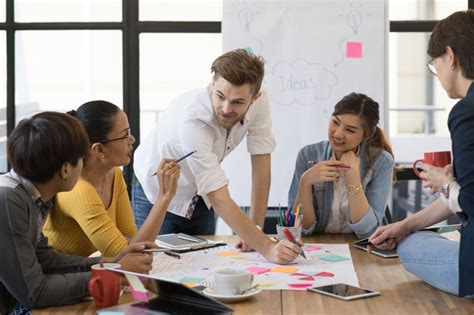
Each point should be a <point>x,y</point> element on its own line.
<point>344,291</point>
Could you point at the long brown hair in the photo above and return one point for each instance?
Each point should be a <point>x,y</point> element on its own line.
<point>368,111</point>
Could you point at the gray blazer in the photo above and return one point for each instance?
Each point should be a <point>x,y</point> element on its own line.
<point>376,181</point>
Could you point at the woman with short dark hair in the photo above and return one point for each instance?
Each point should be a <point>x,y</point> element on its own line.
<point>442,263</point>
<point>46,153</point>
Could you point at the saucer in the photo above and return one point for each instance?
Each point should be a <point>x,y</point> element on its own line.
<point>232,298</point>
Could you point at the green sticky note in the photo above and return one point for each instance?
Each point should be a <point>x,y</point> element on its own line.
<point>334,258</point>
<point>249,50</point>
<point>191,279</point>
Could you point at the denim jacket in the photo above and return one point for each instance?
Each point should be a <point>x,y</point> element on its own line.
<point>376,182</point>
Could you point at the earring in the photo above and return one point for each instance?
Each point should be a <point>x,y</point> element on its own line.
<point>65,178</point>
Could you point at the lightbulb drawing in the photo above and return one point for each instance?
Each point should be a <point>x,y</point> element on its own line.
<point>354,19</point>
<point>246,18</point>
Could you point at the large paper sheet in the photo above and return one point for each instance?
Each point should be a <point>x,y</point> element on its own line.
<point>325,264</point>
<point>316,52</point>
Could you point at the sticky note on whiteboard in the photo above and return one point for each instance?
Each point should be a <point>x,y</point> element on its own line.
<point>354,50</point>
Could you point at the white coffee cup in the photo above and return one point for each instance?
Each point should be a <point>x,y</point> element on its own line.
<point>232,281</point>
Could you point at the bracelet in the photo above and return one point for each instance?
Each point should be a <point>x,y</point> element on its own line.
<point>353,189</point>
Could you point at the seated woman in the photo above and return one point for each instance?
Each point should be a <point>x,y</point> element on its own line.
<point>343,184</point>
<point>442,263</point>
<point>96,214</point>
<point>46,154</point>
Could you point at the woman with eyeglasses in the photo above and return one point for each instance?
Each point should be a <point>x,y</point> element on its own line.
<point>445,264</point>
<point>96,214</point>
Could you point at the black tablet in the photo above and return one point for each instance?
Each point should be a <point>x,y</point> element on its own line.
<point>385,253</point>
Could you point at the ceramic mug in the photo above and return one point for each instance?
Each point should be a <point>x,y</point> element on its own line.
<point>104,285</point>
<point>232,281</point>
<point>438,159</point>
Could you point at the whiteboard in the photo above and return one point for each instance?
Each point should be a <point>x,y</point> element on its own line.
<point>315,53</point>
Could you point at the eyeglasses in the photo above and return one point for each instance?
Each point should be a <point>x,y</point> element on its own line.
<point>432,67</point>
<point>128,137</point>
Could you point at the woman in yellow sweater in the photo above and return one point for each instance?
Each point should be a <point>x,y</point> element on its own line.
<point>96,214</point>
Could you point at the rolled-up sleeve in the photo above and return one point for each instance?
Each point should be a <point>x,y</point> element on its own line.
<point>204,164</point>
<point>377,193</point>
<point>260,139</point>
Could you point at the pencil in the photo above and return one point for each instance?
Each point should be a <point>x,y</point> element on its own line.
<point>181,158</point>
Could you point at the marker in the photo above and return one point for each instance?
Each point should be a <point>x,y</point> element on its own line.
<point>290,237</point>
<point>180,159</point>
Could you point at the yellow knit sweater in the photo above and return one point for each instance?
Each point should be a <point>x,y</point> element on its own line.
<point>79,224</point>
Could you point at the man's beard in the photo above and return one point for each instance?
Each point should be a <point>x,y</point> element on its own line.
<point>229,122</point>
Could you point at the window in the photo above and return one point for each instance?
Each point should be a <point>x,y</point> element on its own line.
<point>184,64</point>
<point>2,11</point>
<point>68,10</point>
<point>423,9</point>
<point>180,10</point>
<point>60,70</point>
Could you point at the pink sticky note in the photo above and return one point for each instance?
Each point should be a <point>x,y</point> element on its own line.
<point>300,285</point>
<point>299,274</point>
<point>258,270</point>
<point>140,295</point>
<point>353,50</point>
<point>312,248</point>
<point>324,274</point>
<point>138,290</point>
<point>308,278</point>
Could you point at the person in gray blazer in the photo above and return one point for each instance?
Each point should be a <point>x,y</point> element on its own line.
<point>343,183</point>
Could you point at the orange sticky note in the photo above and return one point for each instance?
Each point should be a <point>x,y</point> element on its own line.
<point>228,253</point>
<point>284,269</point>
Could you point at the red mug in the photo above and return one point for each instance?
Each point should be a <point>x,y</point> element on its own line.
<point>438,159</point>
<point>104,285</point>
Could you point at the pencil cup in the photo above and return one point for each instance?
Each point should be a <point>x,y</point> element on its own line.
<point>295,231</point>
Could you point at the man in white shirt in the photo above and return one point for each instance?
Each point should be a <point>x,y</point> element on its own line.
<point>212,122</point>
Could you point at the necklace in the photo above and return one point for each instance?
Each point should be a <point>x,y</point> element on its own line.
<point>99,188</point>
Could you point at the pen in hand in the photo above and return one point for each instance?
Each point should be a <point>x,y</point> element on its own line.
<point>181,158</point>
<point>290,237</point>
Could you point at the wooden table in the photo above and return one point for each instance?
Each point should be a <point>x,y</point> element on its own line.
<point>401,292</point>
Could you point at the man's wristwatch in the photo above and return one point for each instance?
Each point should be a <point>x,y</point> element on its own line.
<point>445,189</point>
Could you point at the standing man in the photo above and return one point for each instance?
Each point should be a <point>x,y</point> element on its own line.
<point>213,121</point>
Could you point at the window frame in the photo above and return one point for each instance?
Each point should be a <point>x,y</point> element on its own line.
<point>131,28</point>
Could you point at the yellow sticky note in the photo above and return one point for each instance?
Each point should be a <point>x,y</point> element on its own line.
<point>265,284</point>
<point>284,269</point>
<point>190,284</point>
<point>228,253</point>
